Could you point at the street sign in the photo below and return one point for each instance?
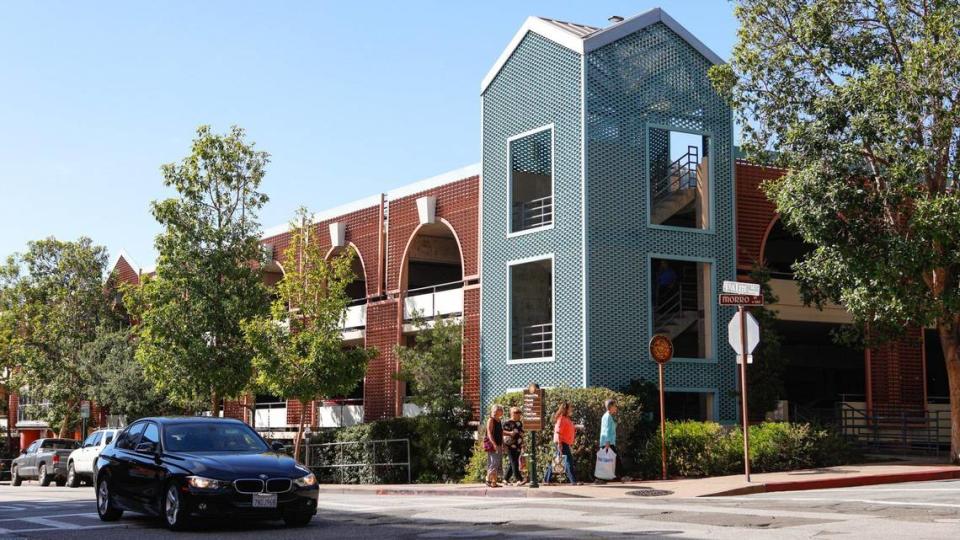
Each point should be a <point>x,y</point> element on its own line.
<point>733,334</point>
<point>661,349</point>
<point>533,409</point>
<point>84,409</point>
<point>739,287</point>
<point>740,300</point>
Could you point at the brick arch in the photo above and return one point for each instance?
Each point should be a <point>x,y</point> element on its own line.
<point>405,259</point>
<point>763,240</point>
<point>363,265</point>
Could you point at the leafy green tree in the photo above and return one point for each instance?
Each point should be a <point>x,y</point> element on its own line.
<point>207,282</point>
<point>298,349</point>
<point>52,301</point>
<point>433,366</point>
<point>858,100</point>
<point>116,381</point>
<point>765,374</point>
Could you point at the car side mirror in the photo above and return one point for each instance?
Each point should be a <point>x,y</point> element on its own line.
<point>146,448</point>
<point>278,446</point>
<point>23,451</point>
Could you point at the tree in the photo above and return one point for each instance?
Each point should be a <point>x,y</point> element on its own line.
<point>858,100</point>
<point>433,366</point>
<point>207,280</point>
<point>298,349</point>
<point>116,381</point>
<point>53,299</point>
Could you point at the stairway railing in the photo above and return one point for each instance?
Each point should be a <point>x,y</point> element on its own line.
<point>535,340</point>
<point>533,213</point>
<point>668,308</point>
<point>681,174</point>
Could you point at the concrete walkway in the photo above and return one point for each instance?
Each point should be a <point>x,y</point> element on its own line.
<point>830,477</point>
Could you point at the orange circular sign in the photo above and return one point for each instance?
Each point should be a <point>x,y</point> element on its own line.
<point>661,349</point>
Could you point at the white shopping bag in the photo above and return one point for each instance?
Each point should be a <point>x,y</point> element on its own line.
<point>606,468</point>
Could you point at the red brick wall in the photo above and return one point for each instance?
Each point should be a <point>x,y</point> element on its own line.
<point>380,388</point>
<point>755,213</point>
<point>471,348</point>
<point>896,375</point>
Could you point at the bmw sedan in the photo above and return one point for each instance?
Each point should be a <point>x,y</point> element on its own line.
<point>186,467</point>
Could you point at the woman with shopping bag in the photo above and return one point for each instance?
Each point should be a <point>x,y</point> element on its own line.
<point>608,459</point>
<point>563,435</point>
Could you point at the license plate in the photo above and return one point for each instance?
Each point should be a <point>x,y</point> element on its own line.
<point>264,500</point>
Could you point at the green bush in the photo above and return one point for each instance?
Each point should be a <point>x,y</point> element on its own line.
<point>709,449</point>
<point>433,458</point>
<point>588,409</point>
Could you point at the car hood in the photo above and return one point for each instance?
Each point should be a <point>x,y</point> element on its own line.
<point>230,466</point>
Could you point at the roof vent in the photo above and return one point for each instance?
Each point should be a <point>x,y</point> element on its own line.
<point>614,19</point>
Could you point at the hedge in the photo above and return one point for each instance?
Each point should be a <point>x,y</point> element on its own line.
<point>434,458</point>
<point>588,409</point>
<point>709,449</point>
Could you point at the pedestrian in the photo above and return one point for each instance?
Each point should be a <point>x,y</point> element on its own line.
<point>513,441</point>
<point>608,437</point>
<point>493,446</point>
<point>563,435</point>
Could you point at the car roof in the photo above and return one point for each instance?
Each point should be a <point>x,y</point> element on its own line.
<point>168,420</point>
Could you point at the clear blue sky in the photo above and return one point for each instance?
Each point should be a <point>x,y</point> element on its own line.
<point>350,98</point>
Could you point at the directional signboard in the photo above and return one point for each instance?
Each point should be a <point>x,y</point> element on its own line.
<point>753,334</point>
<point>533,400</point>
<point>738,287</point>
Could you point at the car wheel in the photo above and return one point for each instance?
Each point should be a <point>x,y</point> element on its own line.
<point>73,480</point>
<point>105,507</point>
<point>173,509</point>
<point>44,477</point>
<point>15,479</point>
<point>297,519</point>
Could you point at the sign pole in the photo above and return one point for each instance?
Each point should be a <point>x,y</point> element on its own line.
<point>743,391</point>
<point>663,426</point>
<point>533,461</point>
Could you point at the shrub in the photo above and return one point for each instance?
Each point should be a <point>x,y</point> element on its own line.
<point>588,409</point>
<point>433,459</point>
<point>709,449</point>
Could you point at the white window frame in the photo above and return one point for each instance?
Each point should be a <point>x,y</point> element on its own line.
<point>553,308</point>
<point>713,356</point>
<point>711,191</point>
<point>553,179</point>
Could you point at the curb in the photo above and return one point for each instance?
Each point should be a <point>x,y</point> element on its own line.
<point>468,492</point>
<point>868,480</point>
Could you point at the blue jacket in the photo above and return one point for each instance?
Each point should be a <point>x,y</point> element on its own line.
<point>608,429</point>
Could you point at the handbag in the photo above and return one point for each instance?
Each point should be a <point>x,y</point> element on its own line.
<point>606,468</point>
<point>488,445</point>
<point>557,464</point>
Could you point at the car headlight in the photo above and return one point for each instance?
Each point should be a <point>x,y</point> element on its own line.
<point>199,482</point>
<point>306,481</point>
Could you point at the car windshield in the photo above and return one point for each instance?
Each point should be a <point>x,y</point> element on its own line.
<point>60,444</point>
<point>211,437</point>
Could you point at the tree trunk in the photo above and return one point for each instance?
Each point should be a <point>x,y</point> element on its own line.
<point>65,428</point>
<point>214,404</point>
<point>950,341</point>
<point>296,442</point>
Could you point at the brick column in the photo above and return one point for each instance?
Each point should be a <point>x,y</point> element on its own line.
<point>380,387</point>
<point>471,348</point>
<point>895,375</point>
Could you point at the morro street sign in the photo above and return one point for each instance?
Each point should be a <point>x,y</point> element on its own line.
<point>740,300</point>
<point>738,287</point>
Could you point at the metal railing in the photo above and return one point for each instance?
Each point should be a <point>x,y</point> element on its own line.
<point>669,307</point>
<point>904,432</point>
<point>534,341</point>
<point>265,415</point>
<point>442,299</point>
<point>341,406</point>
<point>533,213</point>
<point>681,174</point>
<point>360,462</point>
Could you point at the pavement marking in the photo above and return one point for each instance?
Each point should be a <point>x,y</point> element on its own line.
<point>34,519</point>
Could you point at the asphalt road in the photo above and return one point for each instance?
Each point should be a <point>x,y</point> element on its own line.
<point>915,511</point>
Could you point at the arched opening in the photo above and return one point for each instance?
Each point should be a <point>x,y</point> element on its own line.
<point>357,289</point>
<point>781,249</point>
<point>433,261</point>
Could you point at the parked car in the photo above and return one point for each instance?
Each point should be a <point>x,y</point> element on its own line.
<point>44,460</point>
<point>185,467</point>
<point>81,461</point>
<point>5,469</point>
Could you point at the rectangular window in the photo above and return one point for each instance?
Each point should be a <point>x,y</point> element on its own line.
<point>679,173</point>
<point>531,180</point>
<point>681,305</point>
<point>531,310</point>
<point>688,405</point>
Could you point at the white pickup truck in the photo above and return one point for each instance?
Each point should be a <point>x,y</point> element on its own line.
<point>82,460</point>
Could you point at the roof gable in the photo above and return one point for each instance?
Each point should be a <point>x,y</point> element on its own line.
<point>582,39</point>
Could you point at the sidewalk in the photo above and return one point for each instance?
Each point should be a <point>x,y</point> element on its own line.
<point>831,477</point>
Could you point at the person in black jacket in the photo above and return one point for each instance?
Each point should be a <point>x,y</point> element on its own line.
<point>513,441</point>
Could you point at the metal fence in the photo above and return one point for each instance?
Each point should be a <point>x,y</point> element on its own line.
<point>904,432</point>
<point>379,461</point>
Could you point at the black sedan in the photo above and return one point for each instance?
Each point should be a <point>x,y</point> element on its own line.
<point>180,468</point>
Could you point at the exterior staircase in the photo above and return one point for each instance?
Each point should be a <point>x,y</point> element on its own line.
<point>677,324</point>
<point>677,190</point>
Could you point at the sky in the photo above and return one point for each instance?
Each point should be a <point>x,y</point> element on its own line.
<point>350,99</point>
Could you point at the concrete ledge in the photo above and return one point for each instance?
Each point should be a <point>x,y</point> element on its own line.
<point>945,473</point>
<point>453,491</point>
